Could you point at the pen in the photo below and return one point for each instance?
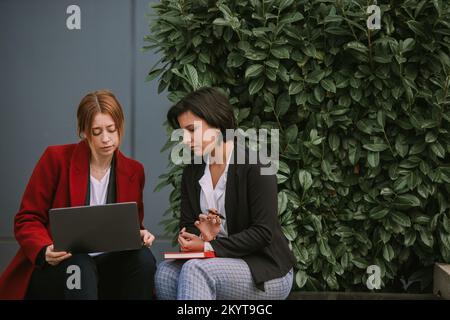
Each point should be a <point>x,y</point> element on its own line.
<point>216,213</point>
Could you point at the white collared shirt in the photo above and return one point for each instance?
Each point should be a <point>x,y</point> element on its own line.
<point>211,197</point>
<point>99,189</point>
<point>98,194</point>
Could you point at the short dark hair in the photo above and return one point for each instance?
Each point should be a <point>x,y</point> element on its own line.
<point>207,103</point>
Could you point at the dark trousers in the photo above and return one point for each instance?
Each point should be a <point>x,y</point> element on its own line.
<point>114,275</point>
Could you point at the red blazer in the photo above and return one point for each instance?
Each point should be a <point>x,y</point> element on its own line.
<point>59,180</point>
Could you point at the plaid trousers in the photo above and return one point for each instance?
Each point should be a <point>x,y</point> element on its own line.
<point>216,278</point>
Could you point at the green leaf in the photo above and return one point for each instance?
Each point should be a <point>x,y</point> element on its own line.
<point>407,45</point>
<point>407,200</point>
<point>282,105</point>
<point>221,22</point>
<point>373,158</point>
<point>356,94</point>
<point>388,252</point>
<point>445,238</point>
<point>358,46</point>
<point>354,154</point>
<point>410,237</point>
<point>256,85</point>
<point>385,235</point>
<point>430,137</point>
<point>333,141</point>
<point>291,133</point>
<point>360,262</point>
<point>319,94</point>
<point>242,114</point>
<point>438,150</point>
<point>281,178</point>
<point>282,202</point>
<point>378,213</point>
<point>328,85</point>
<point>192,76</point>
<point>235,60</point>
<point>386,192</point>
<point>153,74</point>
<point>305,179</point>
<point>401,219</point>
<point>426,237</point>
<point>401,145</point>
<point>326,168</point>
<point>324,248</point>
<point>301,278</point>
<point>315,76</point>
<point>289,232</point>
<point>280,52</point>
<point>376,147</point>
<point>417,28</point>
<point>295,87</point>
<point>253,71</point>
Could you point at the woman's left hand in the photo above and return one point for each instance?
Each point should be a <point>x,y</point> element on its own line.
<point>190,242</point>
<point>147,238</point>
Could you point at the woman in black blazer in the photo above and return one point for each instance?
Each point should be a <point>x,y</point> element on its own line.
<point>228,207</point>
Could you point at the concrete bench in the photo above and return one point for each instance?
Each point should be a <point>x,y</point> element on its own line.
<point>298,295</point>
<point>441,280</point>
<point>441,290</point>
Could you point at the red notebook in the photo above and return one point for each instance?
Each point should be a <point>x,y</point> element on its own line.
<point>189,255</point>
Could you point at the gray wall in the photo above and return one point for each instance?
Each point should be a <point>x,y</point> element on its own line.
<point>46,69</point>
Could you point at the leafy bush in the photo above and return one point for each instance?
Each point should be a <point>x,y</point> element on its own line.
<point>363,118</point>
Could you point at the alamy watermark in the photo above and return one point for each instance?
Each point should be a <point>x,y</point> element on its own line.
<point>374,20</point>
<point>260,142</point>
<point>74,280</point>
<point>374,280</point>
<point>73,22</point>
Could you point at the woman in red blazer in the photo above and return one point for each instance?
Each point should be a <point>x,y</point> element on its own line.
<point>93,171</point>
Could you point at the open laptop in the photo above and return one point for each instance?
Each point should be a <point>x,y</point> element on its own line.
<point>103,228</point>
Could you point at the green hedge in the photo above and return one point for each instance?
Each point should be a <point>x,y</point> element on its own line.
<point>363,117</point>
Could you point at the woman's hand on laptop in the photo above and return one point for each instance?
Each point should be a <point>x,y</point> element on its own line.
<point>53,258</point>
<point>147,238</point>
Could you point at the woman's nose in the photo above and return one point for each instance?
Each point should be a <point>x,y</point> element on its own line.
<point>105,137</point>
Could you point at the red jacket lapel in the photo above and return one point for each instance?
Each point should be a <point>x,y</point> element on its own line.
<point>79,168</point>
<point>124,178</point>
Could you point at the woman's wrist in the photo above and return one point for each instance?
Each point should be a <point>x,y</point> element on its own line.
<point>204,238</point>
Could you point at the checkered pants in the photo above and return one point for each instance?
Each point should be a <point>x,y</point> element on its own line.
<point>216,278</point>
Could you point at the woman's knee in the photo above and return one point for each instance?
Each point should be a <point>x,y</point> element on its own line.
<point>167,270</point>
<point>142,257</point>
<point>147,258</point>
<point>166,280</point>
<point>195,265</point>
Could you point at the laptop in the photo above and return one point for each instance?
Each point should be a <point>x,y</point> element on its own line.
<point>102,228</point>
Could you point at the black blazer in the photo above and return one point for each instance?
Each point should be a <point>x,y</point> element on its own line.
<point>254,232</point>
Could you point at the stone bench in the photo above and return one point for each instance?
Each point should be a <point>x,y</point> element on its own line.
<point>441,290</point>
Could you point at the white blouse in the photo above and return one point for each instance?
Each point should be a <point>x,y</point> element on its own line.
<point>211,197</point>
<point>99,189</point>
<point>98,194</point>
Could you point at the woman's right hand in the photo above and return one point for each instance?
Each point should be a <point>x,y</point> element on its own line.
<point>209,225</point>
<point>53,258</point>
